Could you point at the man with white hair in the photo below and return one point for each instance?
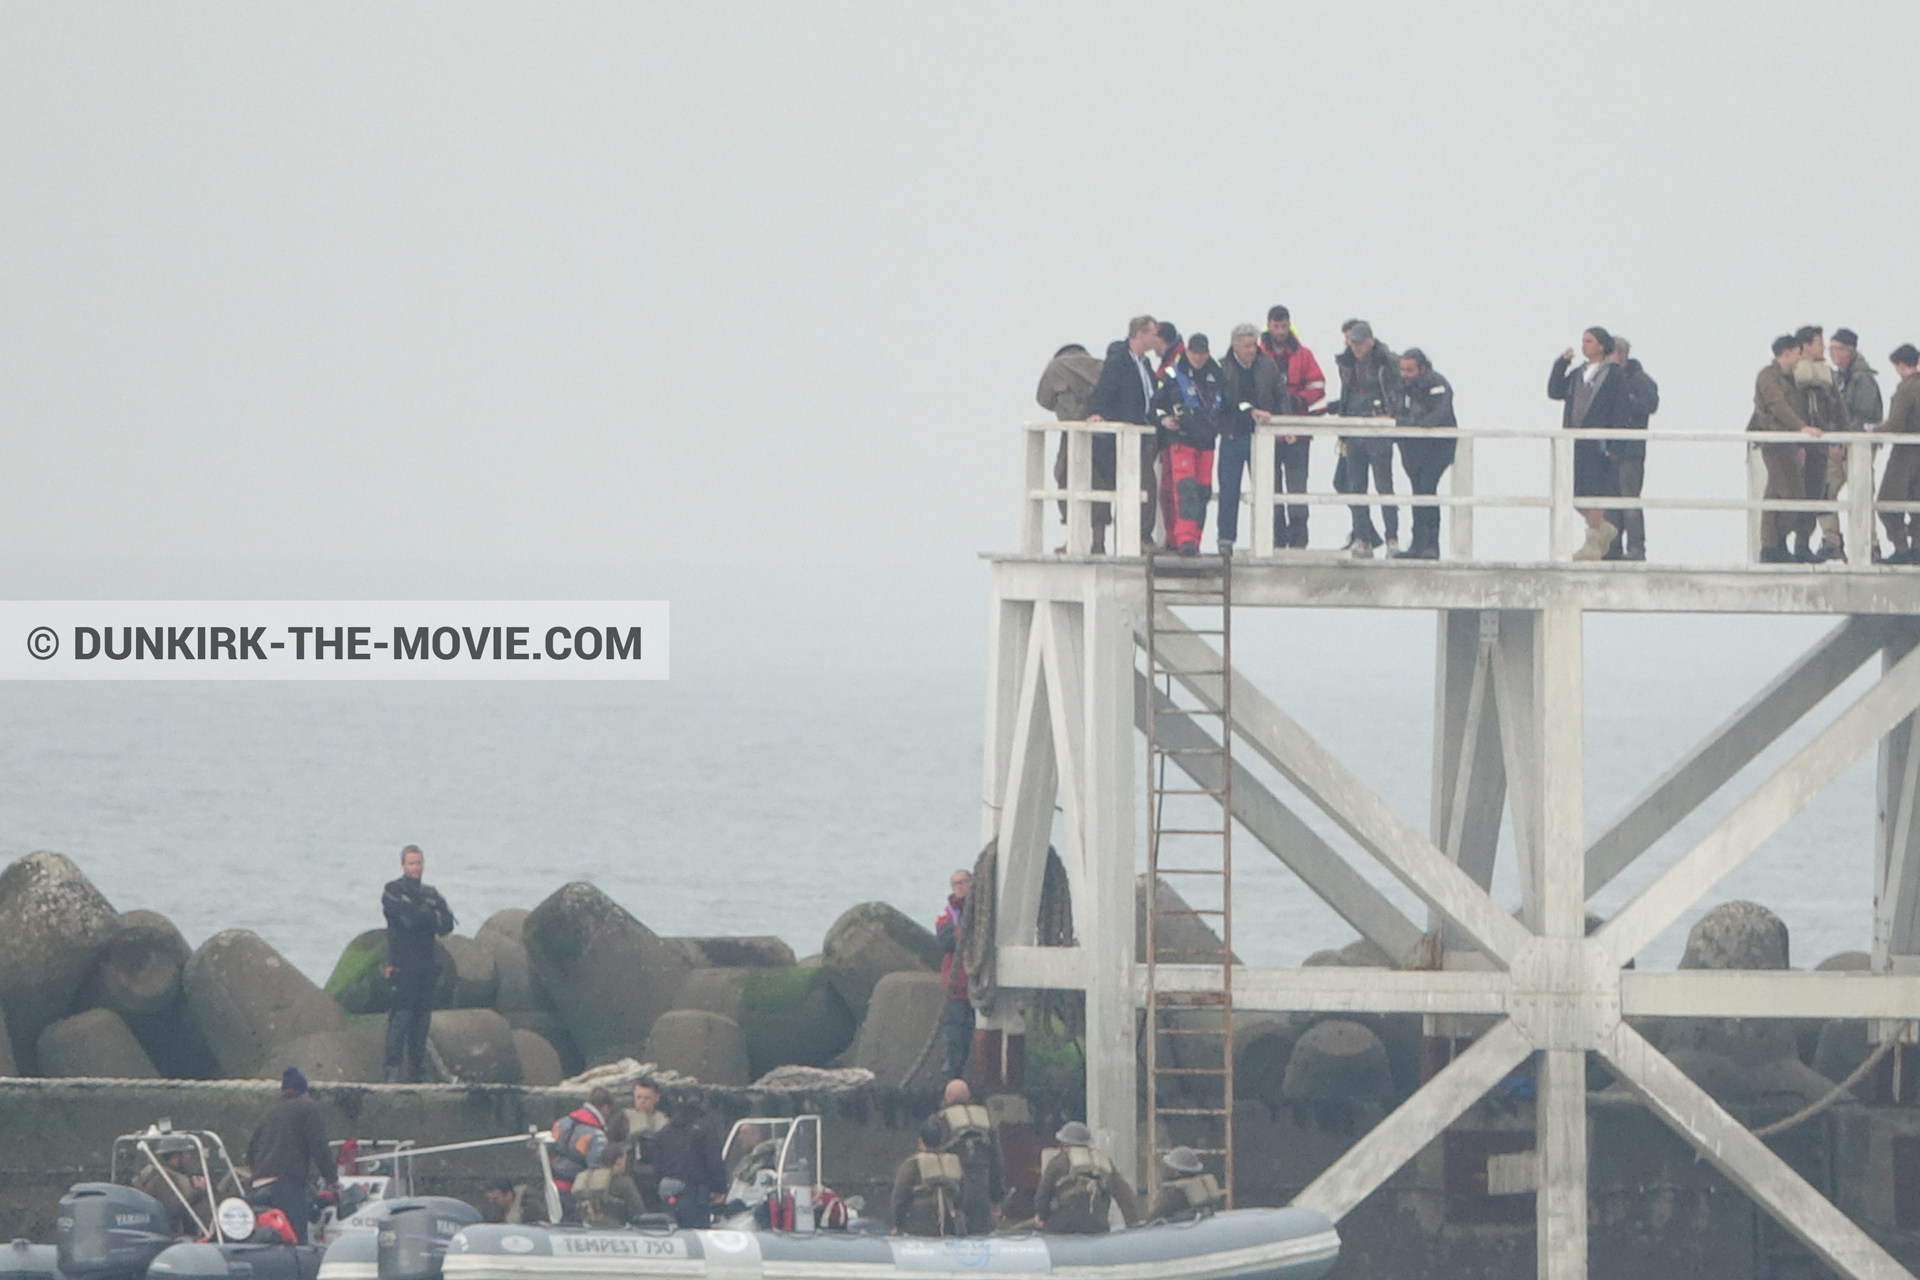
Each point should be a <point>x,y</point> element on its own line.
<point>1256,390</point>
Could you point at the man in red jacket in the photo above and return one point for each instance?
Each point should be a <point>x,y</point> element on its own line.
<point>1305,392</point>
<point>956,1024</point>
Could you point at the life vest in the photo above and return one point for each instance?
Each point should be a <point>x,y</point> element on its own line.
<point>940,1177</point>
<point>1085,1183</point>
<point>1201,1190</point>
<point>590,1197</point>
<point>568,1161</point>
<point>967,1124</point>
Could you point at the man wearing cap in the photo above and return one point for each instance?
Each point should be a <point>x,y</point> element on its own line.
<point>1858,389</point>
<point>1189,403</point>
<point>1777,411</point>
<point>1255,391</point>
<point>1593,394</point>
<point>1078,1185</point>
<point>1192,1193</point>
<point>1369,384</point>
<point>287,1147</point>
<point>1902,480</point>
<point>1305,392</point>
<point>1124,393</point>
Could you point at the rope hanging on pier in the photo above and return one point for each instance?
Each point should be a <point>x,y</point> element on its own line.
<point>1832,1096</point>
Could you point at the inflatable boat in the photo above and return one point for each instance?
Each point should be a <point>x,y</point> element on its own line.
<point>1239,1244</point>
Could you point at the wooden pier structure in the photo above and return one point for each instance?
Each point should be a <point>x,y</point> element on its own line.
<point>1072,686</point>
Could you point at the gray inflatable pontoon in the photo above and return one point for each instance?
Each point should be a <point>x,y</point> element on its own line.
<point>1241,1244</point>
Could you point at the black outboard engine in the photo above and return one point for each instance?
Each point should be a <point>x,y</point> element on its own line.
<point>413,1239</point>
<point>22,1260</point>
<point>110,1232</point>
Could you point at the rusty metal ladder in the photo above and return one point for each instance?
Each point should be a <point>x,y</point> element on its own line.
<point>1195,856</point>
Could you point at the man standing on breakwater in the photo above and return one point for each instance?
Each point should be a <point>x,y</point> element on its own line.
<point>416,915</point>
<point>956,1024</point>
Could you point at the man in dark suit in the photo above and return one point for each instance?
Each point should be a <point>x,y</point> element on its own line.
<point>1125,394</point>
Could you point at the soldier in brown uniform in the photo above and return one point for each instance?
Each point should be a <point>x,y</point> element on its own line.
<point>966,1130</point>
<point>606,1195</point>
<point>174,1184</point>
<point>1902,480</point>
<point>1191,1195</point>
<point>927,1190</point>
<point>645,1120</point>
<point>1078,1185</point>
<point>1777,409</point>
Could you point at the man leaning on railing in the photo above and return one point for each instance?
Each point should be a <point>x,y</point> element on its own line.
<point>1423,399</point>
<point>1902,480</point>
<point>1777,409</point>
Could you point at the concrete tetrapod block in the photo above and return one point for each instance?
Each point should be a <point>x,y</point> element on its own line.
<point>903,1016</point>
<point>539,1061</point>
<point>139,973</point>
<point>474,971</point>
<point>359,982</point>
<point>870,941</point>
<point>788,1015</point>
<point>504,937</point>
<point>1180,939</point>
<point>1735,935</point>
<point>249,999</point>
<point>54,925</point>
<point>476,1045</point>
<point>609,975</point>
<point>736,953</point>
<point>710,1047</point>
<point>95,1043</point>
<point>1337,1059</point>
<point>354,1053</point>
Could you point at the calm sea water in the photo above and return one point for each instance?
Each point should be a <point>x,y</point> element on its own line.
<point>818,745</point>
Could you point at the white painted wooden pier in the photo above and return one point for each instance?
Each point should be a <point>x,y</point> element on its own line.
<point>1067,692</point>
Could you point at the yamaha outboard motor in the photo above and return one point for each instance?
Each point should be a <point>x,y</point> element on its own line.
<point>22,1260</point>
<point>413,1239</point>
<point>110,1232</point>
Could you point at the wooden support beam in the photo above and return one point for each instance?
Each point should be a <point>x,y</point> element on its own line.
<point>1469,791</point>
<point>1756,993</point>
<point>1279,740</point>
<point>1733,1149</point>
<point>1336,990</point>
<point>1281,830</point>
<point>1735,744</point>
<point>1415,1123</point>
<point>1764,811</point>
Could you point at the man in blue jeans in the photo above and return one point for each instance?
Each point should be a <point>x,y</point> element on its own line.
<point>416,915</point>
<point>1256,389</point>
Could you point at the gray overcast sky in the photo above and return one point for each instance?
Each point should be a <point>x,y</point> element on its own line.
<point>515,283</point>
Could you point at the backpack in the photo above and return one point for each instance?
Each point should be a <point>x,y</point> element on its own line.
<point>969,1129</point>
<point>940,1177</point>
<point>589,1196</point>
<point>1201,1190</point>
<point>1086,1182</point>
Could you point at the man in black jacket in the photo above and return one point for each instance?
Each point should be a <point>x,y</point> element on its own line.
<point>288,1146</point>
<point>1369,386</point>
<point>1189,401</point>
<point>1256,390</point>
<point>416,915</point>
<point>1630,456</point>
<point>687,1152</point>
<point>1593,394</point>
<point>1124,393</point>
<point>1425,399</point>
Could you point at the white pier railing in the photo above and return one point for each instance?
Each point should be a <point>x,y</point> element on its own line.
<point>1857,509</point>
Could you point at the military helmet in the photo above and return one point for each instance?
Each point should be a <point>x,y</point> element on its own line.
<point>1074,1134</point>
<point>1183,1160</point>
<point>173,1146</point>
